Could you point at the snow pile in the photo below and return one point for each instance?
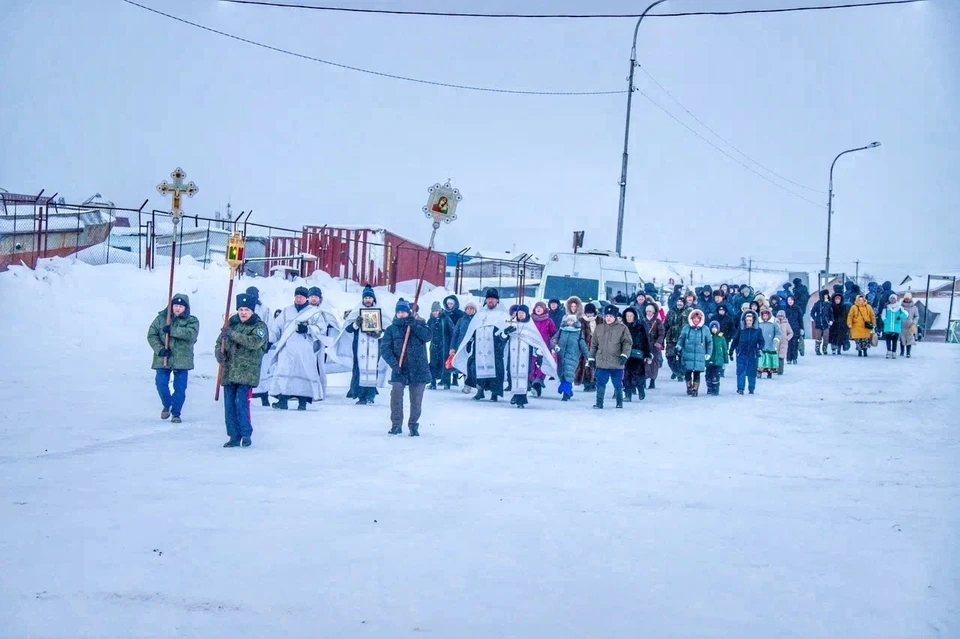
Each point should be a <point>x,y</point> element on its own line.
<point>825,506</point>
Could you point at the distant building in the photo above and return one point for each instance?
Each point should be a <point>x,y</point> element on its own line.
<point>488,264</point>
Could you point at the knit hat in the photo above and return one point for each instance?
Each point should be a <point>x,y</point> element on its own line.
<point>181,300</point>
<point>301,290</point>
<point>714,325</point>
<point>589,309</point>
<point>540,305</point>
<point>745,307</point>
<point>782,314</point>
<point>472,305</point>
<point>314,290</point>
<point>246,301</point>
<point>650,309</point>
<point>254,291</point>
<point>403,306</point>
<point>523,308</point>
<point>611,310</point>
<point>368,292</point>
<point>492,292</point>
<point>569,318</point>
<point>435,307</point>
<point>892,298</point>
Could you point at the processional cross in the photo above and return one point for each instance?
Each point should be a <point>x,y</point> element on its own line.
<point>177,189</point>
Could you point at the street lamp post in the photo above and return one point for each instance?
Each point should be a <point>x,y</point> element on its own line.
<point>626,128</point>
<point>872,145</point>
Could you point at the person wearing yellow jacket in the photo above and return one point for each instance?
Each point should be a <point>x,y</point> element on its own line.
<point>861,321</point>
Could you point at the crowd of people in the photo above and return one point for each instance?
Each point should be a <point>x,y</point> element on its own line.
<point>495,351</point>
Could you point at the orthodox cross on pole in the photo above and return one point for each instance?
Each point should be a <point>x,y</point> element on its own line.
<point>177,188</point>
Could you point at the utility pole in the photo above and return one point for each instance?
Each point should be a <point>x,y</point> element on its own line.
<point>750,273</point>
<point>856,277</point>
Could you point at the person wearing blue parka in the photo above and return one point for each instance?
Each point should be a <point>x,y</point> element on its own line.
<point>821,317</point>
<point>175,357</point>
<point>892,322</point>
<point>748,344</point>
<point>694,348</point>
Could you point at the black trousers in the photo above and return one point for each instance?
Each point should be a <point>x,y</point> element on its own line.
<point>893,340</point>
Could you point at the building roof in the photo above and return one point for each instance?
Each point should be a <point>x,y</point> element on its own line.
<point>506,256</point>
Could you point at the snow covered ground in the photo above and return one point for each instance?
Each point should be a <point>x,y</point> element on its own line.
<point>828,505</point>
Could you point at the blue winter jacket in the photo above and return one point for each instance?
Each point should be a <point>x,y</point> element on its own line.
<point>747,343</point>
<point>822,315</point>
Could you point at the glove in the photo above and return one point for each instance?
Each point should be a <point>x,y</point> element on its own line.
<point>591,363</point>
<point>164,352</point>
<point>166,329</point>
<point>623,360</point>
<point>225,332</point>
<point>510,330</point>
<point>302,328</point>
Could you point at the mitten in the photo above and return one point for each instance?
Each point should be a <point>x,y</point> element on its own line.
<point>166,329</point>
<point>623,360</point>
<point>591,363</point>
<point>302,328</point>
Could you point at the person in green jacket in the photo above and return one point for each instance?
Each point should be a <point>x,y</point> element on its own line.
<point>239,350</point>
<point>182,329</point>
<point>717,359</point>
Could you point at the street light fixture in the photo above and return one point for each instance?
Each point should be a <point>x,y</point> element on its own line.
<point>872,145</point>
<point>626,128</point>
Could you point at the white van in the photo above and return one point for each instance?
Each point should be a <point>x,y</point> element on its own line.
<point>591,275</point>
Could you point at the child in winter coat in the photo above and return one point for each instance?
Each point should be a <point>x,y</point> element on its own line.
<point>570,347</point>
<point>769,358</point>
<point>172,345</point>
<point>717,360</point>
<point>786,334</point>
<point>609,350</point>
<point>695,348</point>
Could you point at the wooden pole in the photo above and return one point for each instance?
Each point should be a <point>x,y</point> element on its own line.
<point>223,343</point>
<point>416,296</point>
<point>173,255</point>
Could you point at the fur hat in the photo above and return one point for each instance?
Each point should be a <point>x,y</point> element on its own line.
<point>492,292</point>
<point>301,290</point>
<point>589,308</point>
<point>745,308</point>
<point>892,298</point>
<point>696,313</point>
<point>470,304</point>
<point>782,314</point>
<point>714,325</point>
<point>403,306</point>
<point>908,297</point>
<point>650,308</point>
<point>246,301</point>
<point>610,309</point>
<point>540,305</point>
<point>314,290</point>
<point>368,292</point>
<point>569,318</point>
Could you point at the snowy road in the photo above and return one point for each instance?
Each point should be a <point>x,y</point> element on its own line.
<point>828,505</point>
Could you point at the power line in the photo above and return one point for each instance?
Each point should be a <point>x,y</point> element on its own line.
<point>395,12</point>
<point>362,70</point>
<point>724,140</point>
<point>721,150</point>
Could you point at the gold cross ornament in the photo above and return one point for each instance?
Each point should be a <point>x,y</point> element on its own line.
<point>177,189</point>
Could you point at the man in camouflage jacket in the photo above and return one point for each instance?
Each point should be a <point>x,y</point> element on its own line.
<point>239,350</point>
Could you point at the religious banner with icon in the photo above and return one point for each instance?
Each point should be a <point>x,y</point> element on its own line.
<point>442,204</point>
<point>370,320</point>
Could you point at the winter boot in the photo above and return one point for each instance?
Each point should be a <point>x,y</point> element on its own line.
<point>520,401</point>
<point>466,390</point>
<point>396,430</point>
<point>893,354</point>
<point>446,387</point>
<point>538,388</point>
<point>690,388</point>
<point>566,397</point>
<point>599,404</point>
<point>165,413</point>
<point>281,403</point>
<point>739,391</point>
<point>455,382</point>
<point>641,393</point>
<point>480,395</point>
<point>618,395</point>
<point>901,350</point>
<point>245,442</point>
<point>301,404</point>
<point>780,367</point>
<point>175,419</point>
<point>908,351</point>
<point>628,394</point>
<point>433,385</point>
<point>264,399</point>
<point>414,430</point>
<point>232,443</point>
<point>653,384</point>
<point>696,387</point>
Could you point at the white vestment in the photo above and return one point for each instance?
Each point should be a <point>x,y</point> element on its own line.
<point>485,325</point>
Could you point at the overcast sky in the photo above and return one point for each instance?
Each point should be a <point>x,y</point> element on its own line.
<point>102,96</point>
